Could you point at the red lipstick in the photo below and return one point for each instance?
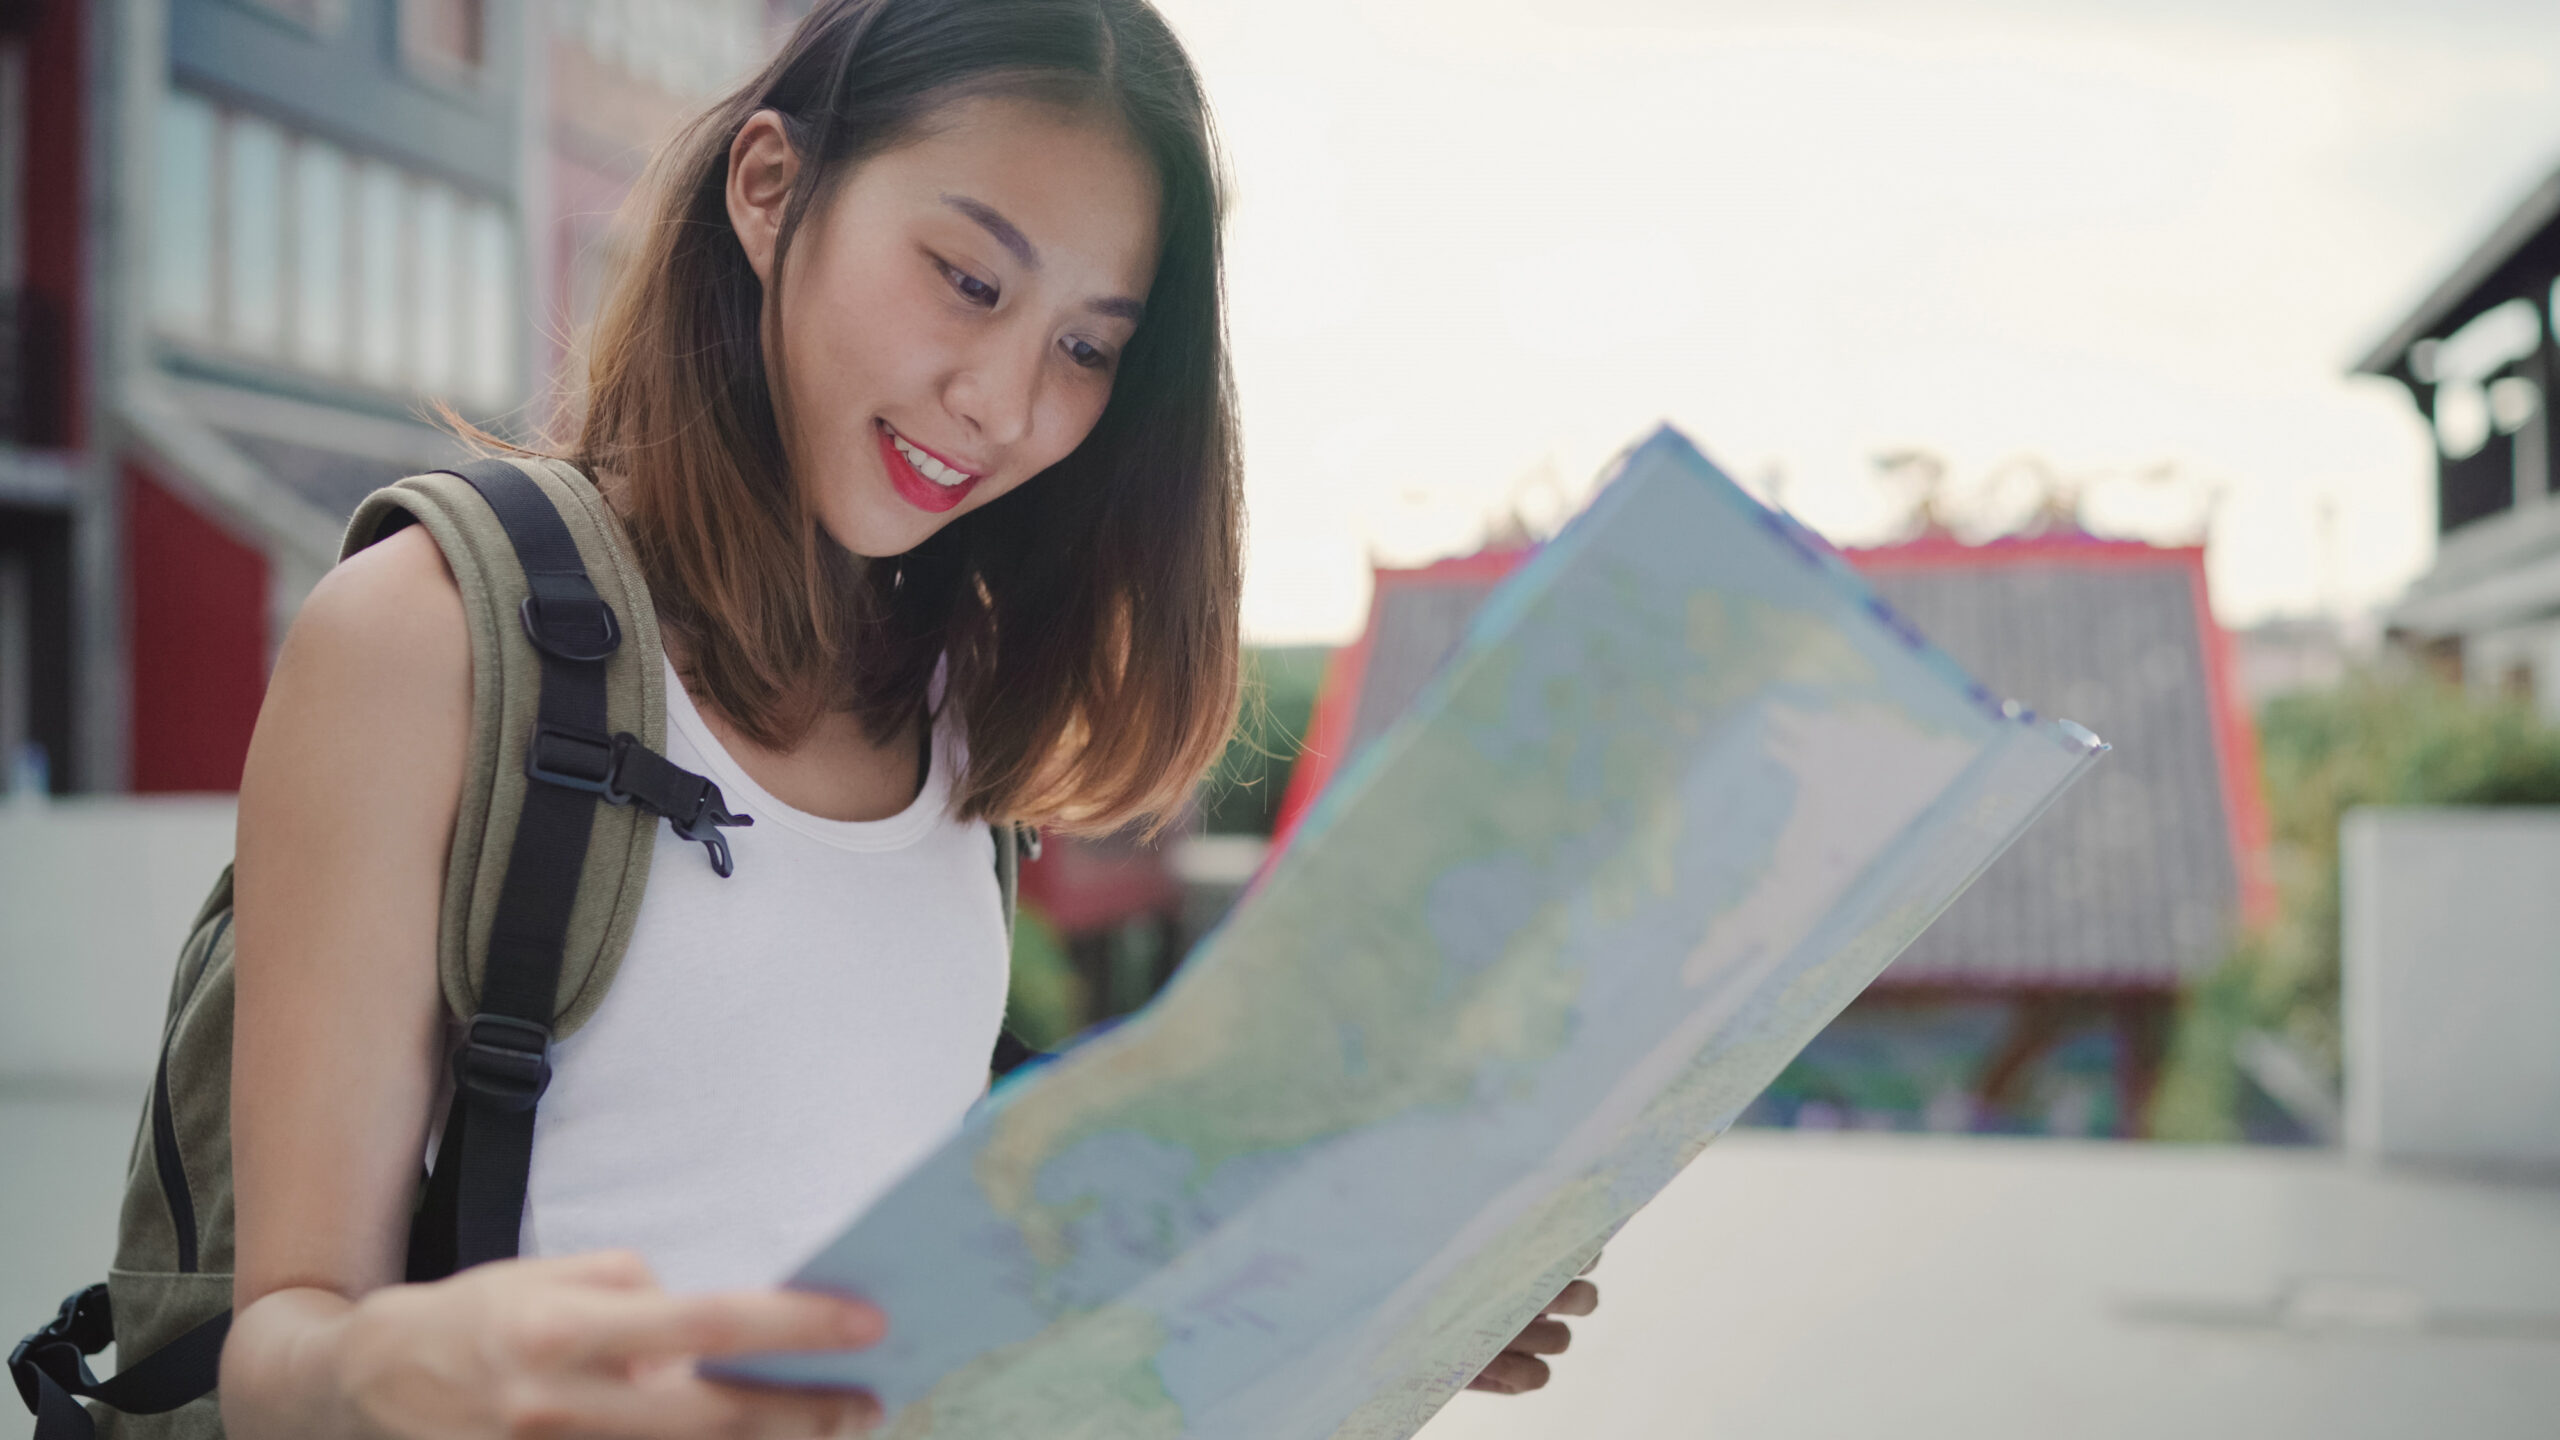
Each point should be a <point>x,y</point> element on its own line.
<point>912,485</point>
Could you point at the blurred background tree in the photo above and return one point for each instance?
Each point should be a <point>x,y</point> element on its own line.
<point>1242,795</point>
<point>2376,739</point>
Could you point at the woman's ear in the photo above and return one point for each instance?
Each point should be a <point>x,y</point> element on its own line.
<point>762,167</point>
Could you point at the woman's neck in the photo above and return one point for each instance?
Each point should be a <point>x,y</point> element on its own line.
<point>834,770</point>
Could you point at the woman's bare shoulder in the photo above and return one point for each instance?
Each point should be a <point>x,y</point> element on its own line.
<point>373,682</point>
<point>397,591</point>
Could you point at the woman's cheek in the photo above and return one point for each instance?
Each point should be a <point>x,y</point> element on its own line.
<point>1091,398</point>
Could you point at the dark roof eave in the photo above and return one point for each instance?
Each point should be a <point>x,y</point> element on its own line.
<point>2512,234</point>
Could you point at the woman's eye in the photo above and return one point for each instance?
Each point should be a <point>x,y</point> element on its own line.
<point>977,291</point>
<point>1087,354</point>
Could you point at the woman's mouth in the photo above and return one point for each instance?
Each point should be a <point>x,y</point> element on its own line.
<point>922,478</point>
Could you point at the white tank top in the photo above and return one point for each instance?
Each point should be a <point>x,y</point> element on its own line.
<point>779,1046</point>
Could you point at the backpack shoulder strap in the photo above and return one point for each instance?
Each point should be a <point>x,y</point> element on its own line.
<point>545,913</point>
<point>552,768</point>
<point>506,693</point>
<point>1014,844</point>
<point>1009,857</point>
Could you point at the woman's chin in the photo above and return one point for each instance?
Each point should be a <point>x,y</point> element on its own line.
<point>877,530</point>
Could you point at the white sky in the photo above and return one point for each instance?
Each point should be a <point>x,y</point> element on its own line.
<point>1475,240</point>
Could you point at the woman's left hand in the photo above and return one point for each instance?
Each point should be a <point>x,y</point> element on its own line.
<point>1518,1370</point>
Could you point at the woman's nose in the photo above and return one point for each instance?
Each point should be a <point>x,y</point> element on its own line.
<point>997,389</point>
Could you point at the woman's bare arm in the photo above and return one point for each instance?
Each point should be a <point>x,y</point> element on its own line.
<point>346,814</point>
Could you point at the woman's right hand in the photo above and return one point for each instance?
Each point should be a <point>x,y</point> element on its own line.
<point>582,1345</point>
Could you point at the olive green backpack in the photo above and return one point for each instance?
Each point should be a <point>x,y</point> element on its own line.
<point>551,851</point>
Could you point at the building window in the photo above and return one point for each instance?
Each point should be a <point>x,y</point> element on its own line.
<point>382,246</point>
<point>319,255</point>
<point>489,308</point>
<point>182,218</point>
<point>253,234</point>
<point>317,15</point>
<point>444,38</point>
<point>282,247</point>
<point>432,287</point>
<point>685,47</point>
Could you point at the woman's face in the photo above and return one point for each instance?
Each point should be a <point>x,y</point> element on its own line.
<point>952,314</point>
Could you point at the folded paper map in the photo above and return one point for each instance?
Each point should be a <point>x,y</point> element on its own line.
<point>1684,790</point>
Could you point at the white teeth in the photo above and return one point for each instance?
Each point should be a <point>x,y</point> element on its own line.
<point>932,469</point>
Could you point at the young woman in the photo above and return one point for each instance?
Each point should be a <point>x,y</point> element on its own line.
<point>913,401</point>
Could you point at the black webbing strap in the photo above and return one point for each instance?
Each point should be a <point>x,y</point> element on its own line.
<point>51,1368</point>
<point>472,1208</point>
<point>692,803</point>
<point>504,1062</point>
<point>1014,844</point>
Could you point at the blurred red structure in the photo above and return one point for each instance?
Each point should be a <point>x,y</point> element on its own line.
<point>198,598</point>
<point>1084,887</point>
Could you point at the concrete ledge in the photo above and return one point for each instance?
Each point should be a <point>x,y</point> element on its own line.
<point>98,893</point>
<point>2451,986</point>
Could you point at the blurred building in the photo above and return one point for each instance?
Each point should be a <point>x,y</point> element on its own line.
<point>43,412</point>
<point>2041,1000</point>
<point>2135,881</point>
<point>2477,358</point>
<point>2293,653</point>
<point>245,247</point>
<point>619,78</point>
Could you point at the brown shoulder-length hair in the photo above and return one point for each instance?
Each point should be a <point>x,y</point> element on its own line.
<point>1089,616</point>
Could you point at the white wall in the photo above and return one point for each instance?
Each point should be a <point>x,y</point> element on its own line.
<point>2452,985</point>
<point>95,898</point>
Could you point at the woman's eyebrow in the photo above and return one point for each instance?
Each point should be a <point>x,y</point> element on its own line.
<point>1010,236</point>
<point>1007,234</point>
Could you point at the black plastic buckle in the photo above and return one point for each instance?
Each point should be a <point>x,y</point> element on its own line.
<point>595,763</point>
<point>83,1326</point>
<point>504,1060</point>
<point>578,759</point>
<point>710,812</point>
<point>580,628</point>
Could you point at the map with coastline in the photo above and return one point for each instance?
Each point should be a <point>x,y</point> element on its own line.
<point>1684,790</point>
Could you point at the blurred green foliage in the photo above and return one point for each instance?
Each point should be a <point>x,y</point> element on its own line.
<point>1047,1002</point>
<point>1242,794</point>
<point>2373,740</point>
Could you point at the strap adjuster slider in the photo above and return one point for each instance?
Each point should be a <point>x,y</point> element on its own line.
<point>571,627</point>
<point>578,759</point>
<point>504,1061</point>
